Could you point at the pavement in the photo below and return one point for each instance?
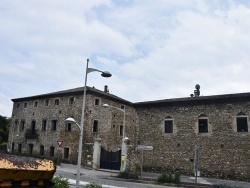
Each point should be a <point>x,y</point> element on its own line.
<point>186,181</point>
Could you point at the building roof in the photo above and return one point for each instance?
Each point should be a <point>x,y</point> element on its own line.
<point>212,99</point>
<point>237,97</point>
<point>69,92</point>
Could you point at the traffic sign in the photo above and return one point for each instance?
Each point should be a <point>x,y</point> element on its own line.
<point>59,143</point>
<point>144,148</point>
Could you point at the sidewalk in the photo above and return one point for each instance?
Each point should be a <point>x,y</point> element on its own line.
<point>186,181</point>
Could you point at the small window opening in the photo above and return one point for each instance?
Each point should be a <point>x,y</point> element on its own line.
<point>168,126</point>
<point>56,101</point>
<point>95,126</point>
<point>242,125</point>
<point>203,125</point>
<point>97,102</point>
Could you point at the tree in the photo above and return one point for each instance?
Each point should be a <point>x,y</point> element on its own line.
<point>4,128</point>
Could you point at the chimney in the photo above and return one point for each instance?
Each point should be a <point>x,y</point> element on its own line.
<point>106,90</point>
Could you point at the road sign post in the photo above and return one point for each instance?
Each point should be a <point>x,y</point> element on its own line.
<point>143,148</point>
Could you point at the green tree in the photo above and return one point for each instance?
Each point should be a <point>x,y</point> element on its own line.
<point>4,128</point>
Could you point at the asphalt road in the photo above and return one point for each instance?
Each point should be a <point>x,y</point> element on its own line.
<point>107,183</point>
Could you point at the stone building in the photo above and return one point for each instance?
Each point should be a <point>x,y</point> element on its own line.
<point>218,125</point>
<point>38,125</point>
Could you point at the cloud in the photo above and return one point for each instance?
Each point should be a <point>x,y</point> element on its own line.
<point>154,50</point>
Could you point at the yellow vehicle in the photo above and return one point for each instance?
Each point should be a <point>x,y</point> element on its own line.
<point>20,171</point>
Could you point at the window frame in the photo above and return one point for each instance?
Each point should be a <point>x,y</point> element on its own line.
<point>44,125</point>
<point>22,125</point>
<point>66,151</point>
<point>46,102</point>
<point>57,102</point>
<point>51,151</point>
<point>201,129</point>
<point>19,148</point>
<point>31,148</point>
<point>209,125</point>
<point>121,129</point>
<point>68,127</point>
<point>54,124</point>
<point>246,126</point>
<point>41,150</point>
<point>171,128</point>
<point>97,101</point>
<point>95,126</point>
<point>71,100</point>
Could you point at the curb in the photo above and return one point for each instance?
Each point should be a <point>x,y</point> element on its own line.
<point>153,181</point>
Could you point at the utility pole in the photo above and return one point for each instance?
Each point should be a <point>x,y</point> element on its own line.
<point>196,163</point>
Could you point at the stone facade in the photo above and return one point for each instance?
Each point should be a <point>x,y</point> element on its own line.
<point>218,125</point>
<point>224,150</point>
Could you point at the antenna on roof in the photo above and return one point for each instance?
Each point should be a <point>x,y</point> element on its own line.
<point>197,91</point>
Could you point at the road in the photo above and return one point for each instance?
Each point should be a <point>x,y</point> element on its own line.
<point>107,182</point>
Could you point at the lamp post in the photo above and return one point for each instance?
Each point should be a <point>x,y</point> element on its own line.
<point>88,70</point>
<point>123,135</point>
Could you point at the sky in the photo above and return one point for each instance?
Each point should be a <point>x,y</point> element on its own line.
<point>155,49</point>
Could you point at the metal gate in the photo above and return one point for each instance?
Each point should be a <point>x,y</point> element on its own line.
<point>110,160</point>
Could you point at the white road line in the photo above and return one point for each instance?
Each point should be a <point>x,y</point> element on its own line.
<point>73,182</point>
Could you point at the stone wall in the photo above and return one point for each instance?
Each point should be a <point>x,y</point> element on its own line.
<point>109,121</point>
<point>224,152</point>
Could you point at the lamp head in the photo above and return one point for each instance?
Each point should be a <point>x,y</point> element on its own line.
<point>105,105</point>
<point>70,120</point>
<point>106,74</point>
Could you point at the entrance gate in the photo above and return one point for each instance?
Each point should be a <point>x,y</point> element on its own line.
<point>110,160</point>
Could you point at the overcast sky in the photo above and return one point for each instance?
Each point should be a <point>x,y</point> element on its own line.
<point>155,49</point>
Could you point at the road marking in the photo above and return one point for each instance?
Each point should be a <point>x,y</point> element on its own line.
<point>73,182</point>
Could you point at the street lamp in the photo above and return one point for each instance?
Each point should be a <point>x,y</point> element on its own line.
<point>123,136</point>
<point>71,120</point>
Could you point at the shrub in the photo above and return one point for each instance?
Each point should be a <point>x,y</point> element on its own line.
<point>128,175</point>
<point>226,186</point>
<point>60,182</point>
<point>92,185</point>
<point>162,178</point>
<point>177,178</point>
<point>168,178</point>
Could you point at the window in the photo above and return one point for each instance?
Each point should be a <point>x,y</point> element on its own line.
<point>66,153</point>
<point>16,126</point>
<point>13,147</point>
<point>122,107</point>
<point>30,148</point>
<point>95,126</point>
<point>56,101</point>
<point>54,124</point>
<point>71,100</point>
<point>168,126</point>
<point>97,102</point>
<point>202,125</point>
<point>22,125</point>
<point>25,105</point>
<point>51,151</point>
<point>68,126</point>
<point>44,125</point>
<point>41,150</point>
<point>242,125</point>
<point>35,104</point>
<point>19,149</point>
<point>121,130</point>
<point>18,105</point>
<point>47,102</point>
